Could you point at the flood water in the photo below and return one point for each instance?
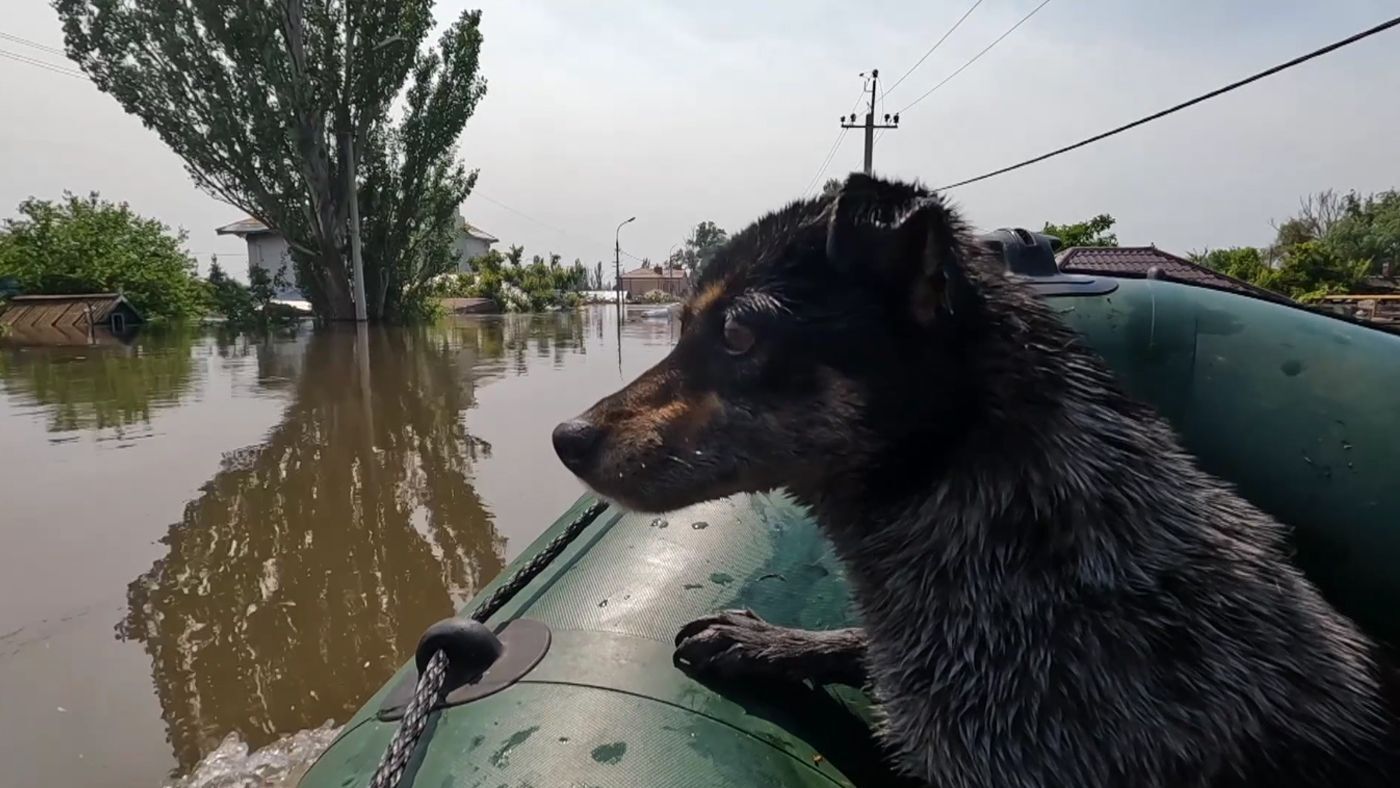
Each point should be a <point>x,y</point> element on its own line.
<point>204,534</point>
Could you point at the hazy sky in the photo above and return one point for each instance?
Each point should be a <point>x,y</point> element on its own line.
<point>682,111</point>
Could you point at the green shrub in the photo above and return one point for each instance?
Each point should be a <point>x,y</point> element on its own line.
<point>89,245</point>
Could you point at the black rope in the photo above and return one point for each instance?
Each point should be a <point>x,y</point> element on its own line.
<point>1183,105</point>
<point>429,687</point>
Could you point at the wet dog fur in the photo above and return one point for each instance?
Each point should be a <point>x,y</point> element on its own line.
<point>1053,593</point>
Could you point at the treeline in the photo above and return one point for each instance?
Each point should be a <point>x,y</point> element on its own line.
<point>1332,245</point>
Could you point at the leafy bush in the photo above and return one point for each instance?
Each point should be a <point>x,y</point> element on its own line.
<point>517,287</point>
<point>246,305</point>
<point>657,297</point>
<point>90,245</point>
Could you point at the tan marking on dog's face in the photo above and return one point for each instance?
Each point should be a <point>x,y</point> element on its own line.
<point>678,420</point>
<point>702,301</point>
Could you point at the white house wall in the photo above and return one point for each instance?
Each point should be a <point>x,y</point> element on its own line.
<point>269,252</point>
<point>468,248</point>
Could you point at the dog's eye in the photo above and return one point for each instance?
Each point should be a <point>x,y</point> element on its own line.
<point>738,339</point>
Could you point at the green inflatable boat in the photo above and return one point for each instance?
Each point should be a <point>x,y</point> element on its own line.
<point>1299,410</point>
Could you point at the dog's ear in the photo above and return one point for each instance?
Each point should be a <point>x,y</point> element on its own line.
<point>931,251</point>
<point>909,238</point>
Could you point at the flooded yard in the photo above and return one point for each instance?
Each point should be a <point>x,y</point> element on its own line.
<point>206,534</point>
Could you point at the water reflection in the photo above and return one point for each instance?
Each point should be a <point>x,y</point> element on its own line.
<point>300,569</point>
<point>309,564</point>
<point>100,386</point>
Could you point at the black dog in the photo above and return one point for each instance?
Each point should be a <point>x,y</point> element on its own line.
<point>1053,593</point>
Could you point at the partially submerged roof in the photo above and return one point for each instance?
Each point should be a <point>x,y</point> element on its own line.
<point>650,273</point>
<point>67,311</point>
<point>1137,261</point>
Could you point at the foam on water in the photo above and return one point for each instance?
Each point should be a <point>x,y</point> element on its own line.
<point>278,765</point>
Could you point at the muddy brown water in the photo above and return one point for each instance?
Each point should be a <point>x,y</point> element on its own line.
<point>204,535</point>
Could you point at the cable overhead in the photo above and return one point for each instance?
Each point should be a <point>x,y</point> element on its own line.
<point>41,64</point>
<point>544,224</point>
<point>931,49</point>
<point>1382,27</point>
<point>835,146</point>
<point>975,58</point>
<point>840,138</point>
<point>35,44</point>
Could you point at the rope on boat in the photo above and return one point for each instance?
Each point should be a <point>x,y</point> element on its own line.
<point>428,691</point>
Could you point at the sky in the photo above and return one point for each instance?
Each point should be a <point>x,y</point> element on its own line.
<point>677,112</point>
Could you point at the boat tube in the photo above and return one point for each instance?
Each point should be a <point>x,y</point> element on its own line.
<point>1300,411</point>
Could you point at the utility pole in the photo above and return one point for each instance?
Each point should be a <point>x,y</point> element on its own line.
<point>357,266</point>
<point>617,259</point>
<point>891,122</point>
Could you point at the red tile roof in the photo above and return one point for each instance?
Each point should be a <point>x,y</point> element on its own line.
<point>1136,261</point>
<point>650,273</point>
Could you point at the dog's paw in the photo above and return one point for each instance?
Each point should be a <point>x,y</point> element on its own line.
<point>738,644</point>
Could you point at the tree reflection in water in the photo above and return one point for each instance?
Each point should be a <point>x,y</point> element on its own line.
<point>307,567</point>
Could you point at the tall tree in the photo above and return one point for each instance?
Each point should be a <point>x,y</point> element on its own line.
<point>704,240</point>
<point>261,98</point>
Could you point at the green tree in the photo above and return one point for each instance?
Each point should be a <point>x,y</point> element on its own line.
<point>1369,229</point>
<point>1247,263</point>
<point>1093,232</point>
<point>260,102</point>
<point>515,254</point>
<point>90,245</point>
<point>832,187</point>
<point>1306,270</point>
<point>241,305</point>
<point>705,239</point>
<point>1313,269</point>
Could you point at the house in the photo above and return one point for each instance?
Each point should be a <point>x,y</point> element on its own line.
<point>471,242</point>
<point>1376,300</point>
<point>1137,261</point>
<point>267,249</point>
<point>675,281</point>
<point>68,319</point>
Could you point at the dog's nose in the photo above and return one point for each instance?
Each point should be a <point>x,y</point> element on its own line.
<point>576,442</point>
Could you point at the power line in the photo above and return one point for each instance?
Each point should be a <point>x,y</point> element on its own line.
<point>41,64</point>
<point>931,49</point>
<point>35,44</point>
<point>975,58</point>
<point>840,138</point>
<point>835,146</point>
<point>546,225</point>
<point>1204,97</point>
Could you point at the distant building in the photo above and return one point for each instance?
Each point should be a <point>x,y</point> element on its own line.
<point>471,243</point>
<point>1137,261</point>
<point>68,319</point>
<point>674,281</point>
<point>267,249</point>
<point>1375,300</point>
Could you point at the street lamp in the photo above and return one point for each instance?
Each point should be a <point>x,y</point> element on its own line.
<point>617,259</point>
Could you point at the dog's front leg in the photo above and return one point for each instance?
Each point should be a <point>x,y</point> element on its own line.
<point>739,644</point>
